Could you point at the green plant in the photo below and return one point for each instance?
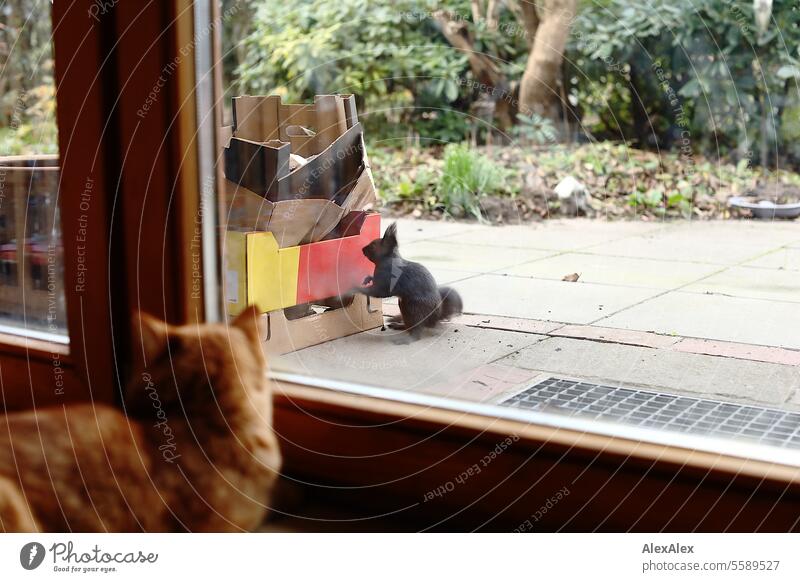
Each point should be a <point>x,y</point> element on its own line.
<point>534,129</point>
<point>652,198</point>
<point>388,53</point>
<point>466,177</point>
<point>681,74</point>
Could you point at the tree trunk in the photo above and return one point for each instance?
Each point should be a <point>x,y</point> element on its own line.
<point>539,87</point>
<point>496,88</point>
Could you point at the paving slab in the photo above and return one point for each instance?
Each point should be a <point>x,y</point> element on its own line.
<point>712,242</point>
<point>525,297</point>
<point>740,351</point>
<point>372,358</point>
<point>446,276</point>
<point>410,230</point>
<point>489,383</point>
<point>509,323</point>
<point>628,271</point>
<point>787,258</point>
<point>674,372</point>
<point>735,319</point>
<point>749,282</point>
<point>616,336</point>
<point>776,233</point>
<point>561,235</point>
<point>474,258</point>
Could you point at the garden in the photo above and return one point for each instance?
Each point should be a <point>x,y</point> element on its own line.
<point>480,110</point>
<point>504,111</point>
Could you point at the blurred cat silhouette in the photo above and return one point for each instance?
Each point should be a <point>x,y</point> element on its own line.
<point>194,449</point>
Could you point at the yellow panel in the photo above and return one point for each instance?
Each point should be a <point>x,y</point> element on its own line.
<point>235,276</point>
<point>289,269</point>
<point>271,272</point>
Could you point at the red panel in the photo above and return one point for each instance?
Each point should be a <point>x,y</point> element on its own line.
<point>333,267</point>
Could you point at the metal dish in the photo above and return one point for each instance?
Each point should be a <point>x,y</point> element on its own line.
<point>765,208</point>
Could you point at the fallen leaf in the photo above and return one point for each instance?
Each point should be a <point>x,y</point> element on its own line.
<point>571,278</point>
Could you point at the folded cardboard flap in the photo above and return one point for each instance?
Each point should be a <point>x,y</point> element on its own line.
<point>264,168</point>
<point>295,222</point>
<point>264,118</point>
<point>286,335</point>
<point>262,273</point>
<point>259,167</point>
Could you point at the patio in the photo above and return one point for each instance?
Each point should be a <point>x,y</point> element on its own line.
<point>702,308</point>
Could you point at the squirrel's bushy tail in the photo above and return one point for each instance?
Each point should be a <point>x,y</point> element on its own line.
<point>451,304</point>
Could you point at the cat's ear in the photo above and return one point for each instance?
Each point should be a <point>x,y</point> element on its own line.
<point>153,337</point>
<point>249,321</point>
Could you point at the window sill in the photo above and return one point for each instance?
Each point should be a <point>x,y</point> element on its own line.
<point>416,444</point>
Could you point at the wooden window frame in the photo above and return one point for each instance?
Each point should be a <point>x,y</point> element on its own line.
<point>389,457</point>
<point>142,186</point>
<point>123,176</point>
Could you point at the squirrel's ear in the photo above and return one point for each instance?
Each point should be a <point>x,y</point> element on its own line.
<point>391,233</point>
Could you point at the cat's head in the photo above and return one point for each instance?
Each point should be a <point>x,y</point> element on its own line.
<point>203,372</point>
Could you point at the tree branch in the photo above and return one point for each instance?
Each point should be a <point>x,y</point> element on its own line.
<point>457,34</point>
<point>528,15</point>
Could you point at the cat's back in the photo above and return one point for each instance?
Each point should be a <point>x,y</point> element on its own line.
<point>83,467</point>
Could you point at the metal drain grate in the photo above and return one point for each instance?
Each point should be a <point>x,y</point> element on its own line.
<point>659,410</point>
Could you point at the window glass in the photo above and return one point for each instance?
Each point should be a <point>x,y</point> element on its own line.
<point>31,268</point>
<point>608,193</point>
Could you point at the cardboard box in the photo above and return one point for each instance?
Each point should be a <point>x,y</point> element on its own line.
<point>275,279</point>
<point>300,204</point>
<point>298,182</point>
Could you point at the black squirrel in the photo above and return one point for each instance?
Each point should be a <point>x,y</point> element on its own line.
<point>422,302</point>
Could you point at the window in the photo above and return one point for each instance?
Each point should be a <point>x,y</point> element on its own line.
<point>609,247</point>
<point>31,251</point>
<point>573,326</point>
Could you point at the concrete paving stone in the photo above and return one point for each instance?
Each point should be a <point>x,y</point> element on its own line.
<point>489,383</point>
<point>618,336</point>
<point>508,323</point>
<point>547,300</point>
<point>410,230</point>
<point>372,358</point>
<point>740,351</point>
<point>628,271</point>
<point>750,282</point>
<point>787,258</point>
<point>776,233</point>
<point>707,242</point>
<point>474,258</point>
<point>618,365</point>
<point>734,319</point>
<point>561,235</point>
<point>447,276</point>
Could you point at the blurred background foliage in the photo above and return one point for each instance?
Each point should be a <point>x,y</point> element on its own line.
<point>27,91</point>
<point>659,74</point>
<point>714,83</point>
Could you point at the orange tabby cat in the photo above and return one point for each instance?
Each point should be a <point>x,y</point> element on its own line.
<point>195,452</point>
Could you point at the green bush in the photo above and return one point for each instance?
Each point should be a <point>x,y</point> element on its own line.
<point>388,53</point>
<point>677,73</point>
<point>660,74</point>
<point>466,177</point>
